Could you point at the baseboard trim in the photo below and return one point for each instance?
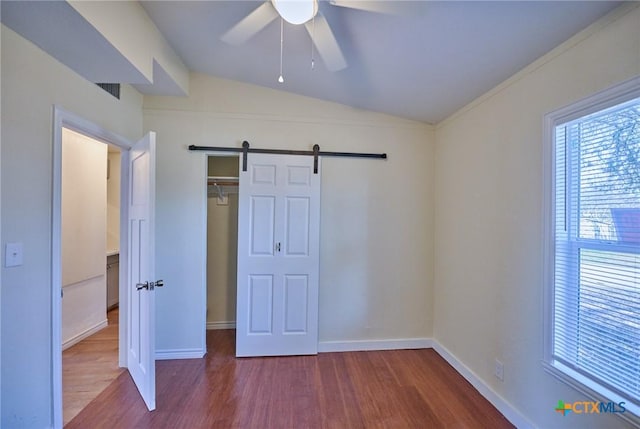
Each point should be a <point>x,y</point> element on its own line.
<point>507,410</point>
<point>180,354</point>
<point>82,335</point>
<point>221,325</point>
<point>371,345</point>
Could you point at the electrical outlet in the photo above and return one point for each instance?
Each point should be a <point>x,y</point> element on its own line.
<point>499,372</point>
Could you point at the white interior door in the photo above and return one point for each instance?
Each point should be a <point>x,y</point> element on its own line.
<point>278,256</point>
<point>141,295</point>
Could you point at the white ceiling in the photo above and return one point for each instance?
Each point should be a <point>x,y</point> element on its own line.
<point>424,62</point>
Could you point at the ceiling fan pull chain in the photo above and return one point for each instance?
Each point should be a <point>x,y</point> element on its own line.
<point>281,79</point>
<point>313,38</point>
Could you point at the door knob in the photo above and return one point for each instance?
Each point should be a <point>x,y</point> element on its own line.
<point>150,285</point>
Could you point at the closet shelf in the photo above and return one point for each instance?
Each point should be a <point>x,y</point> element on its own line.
<point>220,186</point>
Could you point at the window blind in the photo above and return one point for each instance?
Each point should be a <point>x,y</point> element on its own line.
<point>596,312</point>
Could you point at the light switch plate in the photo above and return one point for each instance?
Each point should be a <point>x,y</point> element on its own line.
<point>13,255</point>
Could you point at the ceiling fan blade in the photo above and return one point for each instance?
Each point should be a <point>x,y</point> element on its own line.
<point>386,7</point>
<point>326,43</point>
<point>251,24</point>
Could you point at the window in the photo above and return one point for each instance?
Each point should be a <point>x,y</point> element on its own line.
<point>592,336</point>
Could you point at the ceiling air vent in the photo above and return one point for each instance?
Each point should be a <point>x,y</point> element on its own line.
<point>111,88</point>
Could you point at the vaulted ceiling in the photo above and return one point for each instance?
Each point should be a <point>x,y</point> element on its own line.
<point>420,60</point>
<point>423,60</point>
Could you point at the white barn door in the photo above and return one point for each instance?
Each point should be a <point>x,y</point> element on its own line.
<point>278,256</point>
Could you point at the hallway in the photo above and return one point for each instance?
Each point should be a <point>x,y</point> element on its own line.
<point>89,367</point>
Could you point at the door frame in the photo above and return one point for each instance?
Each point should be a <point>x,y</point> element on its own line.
<point>204,239</point>
<point>65,119</point>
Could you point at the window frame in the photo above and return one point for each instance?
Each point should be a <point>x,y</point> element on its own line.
<point>613,96</point>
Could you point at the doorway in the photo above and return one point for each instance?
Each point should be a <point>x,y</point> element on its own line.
<point>90,268</point>
<point>222,241</point>
<point>67,120</point>
<point>266,265</point>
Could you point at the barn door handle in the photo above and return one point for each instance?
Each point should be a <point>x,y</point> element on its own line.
<point>278,247</point>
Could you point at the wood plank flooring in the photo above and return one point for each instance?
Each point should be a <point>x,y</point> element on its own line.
<point>89,367</point>
<point>385,389</point>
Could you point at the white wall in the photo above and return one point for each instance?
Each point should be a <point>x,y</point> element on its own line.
<point>377,243</point>
<point>84,236</point>
<point>488,224</point>
<point>32,82</point>
<point>376,219</point>
<point>1,241</point>
<point>113,203</point>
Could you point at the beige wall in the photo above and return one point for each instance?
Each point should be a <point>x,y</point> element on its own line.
<point>488,251</point>
<point>32,83</point>
<point>376,243</point>
<point>84,236</point>
<point>222,245</point>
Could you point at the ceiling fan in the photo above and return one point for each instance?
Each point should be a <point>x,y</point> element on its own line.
<point>299,12</point>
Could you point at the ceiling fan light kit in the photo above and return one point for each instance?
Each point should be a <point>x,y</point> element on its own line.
<point>296,11</point>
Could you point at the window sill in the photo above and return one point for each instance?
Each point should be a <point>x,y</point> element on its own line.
<point>592,390</point>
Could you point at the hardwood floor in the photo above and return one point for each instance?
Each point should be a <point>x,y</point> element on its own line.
<point>89,367</point>
<point>385,389</point>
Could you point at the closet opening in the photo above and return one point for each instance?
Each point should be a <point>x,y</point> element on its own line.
<point>222,241</point>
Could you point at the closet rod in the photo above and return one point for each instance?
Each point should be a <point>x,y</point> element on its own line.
<point>315,153</point>
<point>221,183</point>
